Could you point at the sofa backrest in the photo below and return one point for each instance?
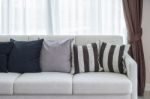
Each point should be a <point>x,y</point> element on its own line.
<point>78,39</point>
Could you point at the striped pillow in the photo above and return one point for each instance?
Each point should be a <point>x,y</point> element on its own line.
<point>111,57</point>
<point>85,58</point>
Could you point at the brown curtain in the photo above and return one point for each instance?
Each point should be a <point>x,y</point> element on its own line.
<point>133,17</point>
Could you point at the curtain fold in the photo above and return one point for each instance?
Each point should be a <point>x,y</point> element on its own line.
<point>133,17</point>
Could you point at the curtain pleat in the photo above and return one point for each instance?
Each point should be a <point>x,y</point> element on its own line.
<point>133,18</point>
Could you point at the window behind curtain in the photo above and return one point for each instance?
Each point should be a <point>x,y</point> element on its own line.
<point>25,17</point>
<point>62,17</point>
<point>88,17</point>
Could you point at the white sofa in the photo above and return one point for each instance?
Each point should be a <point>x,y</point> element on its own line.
<point>54,85</point>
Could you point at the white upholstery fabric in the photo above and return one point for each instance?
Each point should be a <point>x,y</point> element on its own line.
<point>101,83</point>
<point>132,74</point>
<point>5,38</point>
<point>48,37</point>
<point>80,40</point>
<point>127,96</point>
<point>60,83</point>
<point>43,83</point>
<point>6,82</point>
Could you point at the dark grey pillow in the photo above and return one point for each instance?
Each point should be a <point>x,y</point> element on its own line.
<point>56,56</point>
<point>5,48</point>
<point>25,56</point>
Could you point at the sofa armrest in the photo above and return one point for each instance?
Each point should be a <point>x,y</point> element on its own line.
<point>132,74</point>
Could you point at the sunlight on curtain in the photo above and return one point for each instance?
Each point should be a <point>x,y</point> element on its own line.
<point>88,17</point>
<point>24,17</point>
<point>62,17</point>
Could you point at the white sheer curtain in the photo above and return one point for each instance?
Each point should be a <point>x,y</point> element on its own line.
<point>62,17</point>
<point>88,17</point>
<point>29,17</point>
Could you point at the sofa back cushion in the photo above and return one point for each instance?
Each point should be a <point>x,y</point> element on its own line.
<point>79,40</point>
<point>56,56</point>
<point>25,56</point>
<point>83,40</point>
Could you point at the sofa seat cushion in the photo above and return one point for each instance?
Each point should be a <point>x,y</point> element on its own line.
<point>101,83</point>
<point>7,82</point>
<point>44,83</point>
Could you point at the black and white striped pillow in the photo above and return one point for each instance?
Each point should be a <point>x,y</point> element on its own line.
<point>85,58</point>
<point>111,57</point>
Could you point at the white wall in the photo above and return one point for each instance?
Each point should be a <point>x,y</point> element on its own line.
<point>146,39</point>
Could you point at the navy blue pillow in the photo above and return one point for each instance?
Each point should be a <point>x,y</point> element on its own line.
<point>5,48</point>
<point>25,56</point>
